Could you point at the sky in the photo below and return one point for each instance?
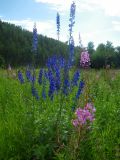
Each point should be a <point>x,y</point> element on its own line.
<point>95,20</point>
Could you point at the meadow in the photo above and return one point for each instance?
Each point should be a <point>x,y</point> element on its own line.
<point>65,110</point>
<point>42,129</point>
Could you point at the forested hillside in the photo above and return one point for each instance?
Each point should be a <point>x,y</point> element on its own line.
<point>16,49</point>
<point>16,46</point>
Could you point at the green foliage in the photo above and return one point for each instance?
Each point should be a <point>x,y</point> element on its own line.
<point>2,62</point>
<point>16,46</point>
<point>90,48</point>
<point>106,55</point>
<point>31,129</point>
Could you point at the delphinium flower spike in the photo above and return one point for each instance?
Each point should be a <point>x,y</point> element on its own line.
<point>28,75</point>
<point>40,76</point>
<point>52,84</point>
<point>35,38</point>
<point>71,40</point>
<point>80,88</point>
<point>58,25</point>
<point>44,85</point>
<point>75,79</point>
<point>20,77</point>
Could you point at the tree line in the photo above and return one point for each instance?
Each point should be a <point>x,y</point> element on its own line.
<point>104,55</point>
<point>16,49</point>
<point>16,46</point>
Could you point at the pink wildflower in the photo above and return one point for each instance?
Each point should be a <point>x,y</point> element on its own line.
<point>84,116</point>
<point>85,59</point>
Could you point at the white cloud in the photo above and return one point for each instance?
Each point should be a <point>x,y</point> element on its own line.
<point>59,5</point>
<point>116,25</point>
<point>109,7</point>
<point>64,5</point>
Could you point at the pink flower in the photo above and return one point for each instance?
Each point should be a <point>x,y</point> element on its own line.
<point>75,122</point>
<point>84,116</point>
<point>85,59</point>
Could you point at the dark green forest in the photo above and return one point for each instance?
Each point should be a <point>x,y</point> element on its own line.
<point>16,49</point>
<point>16,46</point>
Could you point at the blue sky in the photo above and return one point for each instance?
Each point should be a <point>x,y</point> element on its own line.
<point>96,20</point>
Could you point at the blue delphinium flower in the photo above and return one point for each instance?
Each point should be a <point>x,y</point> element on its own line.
<point>20,77</point>
<point>35,92</point>
<point>52,85</point>
<point>33,78</point>
<point>40,76</point>
<point>66,82</point>
<point>58,25</point>
<point>80,88</point>
<point>66,87</point>
<point>35,38</point>
<point>28,75</point>
<point>71,40</point>
<point>75,79</point>
<point>72,17</point>
<point>44,86</point>
<point>54,62</point>
<point>57,79</point>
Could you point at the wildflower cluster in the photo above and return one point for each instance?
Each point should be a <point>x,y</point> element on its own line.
<point>84,116</point>
<point>55,62</point>
<point>85,59</point>
<point>56,74</point>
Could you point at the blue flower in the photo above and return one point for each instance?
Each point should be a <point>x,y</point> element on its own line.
<point>57,79</point>
<point>66,87</point>
<point>40,76</point>
<point>28,75</point>
<point>52,85</point>
<point>72,17</point>
<point>20,77</point>
<point>81,86</point>
<point>33,78</point>
<point>71,40</point>
<point>35,93</point>
<point>35,38</point>
<point>44,86</point>
<point>66,83</point>
<point>58,24</point>
<point>75,78</point>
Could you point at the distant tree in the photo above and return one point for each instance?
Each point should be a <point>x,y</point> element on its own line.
<point>98,58</point>
<point>109,54</point>
<point>2,61</point>
<point>90,48</point>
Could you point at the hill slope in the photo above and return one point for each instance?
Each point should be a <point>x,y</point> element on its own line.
<point>16,46</point>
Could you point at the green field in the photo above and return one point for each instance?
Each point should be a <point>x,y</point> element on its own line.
<point>42,130</point>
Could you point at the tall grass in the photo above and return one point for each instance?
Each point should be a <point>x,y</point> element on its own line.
<point>29,129</point>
